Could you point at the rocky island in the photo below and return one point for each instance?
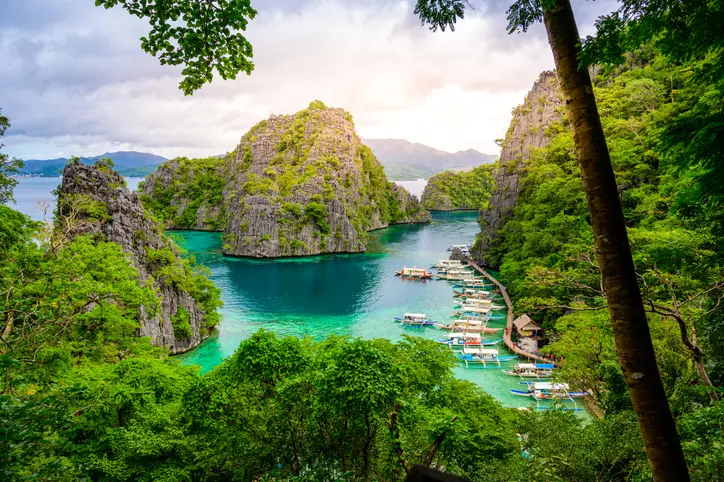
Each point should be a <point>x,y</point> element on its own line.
<point>94,201</point>
<point>462,190</point>
<point>296,185</point>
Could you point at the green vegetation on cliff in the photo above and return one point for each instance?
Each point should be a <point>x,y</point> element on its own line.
<point>296,185</point>
<point>450,190</point>
<point>181,187</point>
<point>545,250</point>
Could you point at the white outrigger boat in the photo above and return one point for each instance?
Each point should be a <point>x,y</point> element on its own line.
<point>462,247</point>
<point>472,294</point>
<point>550,391</point>
<point>473,311</point>
<point>457,274</point>
<point>484,303</point>
<point>531,370</point>
<point>469,325</point>
<point>413,273</point>
<point>415,319</point>
<point>461,340</point>
<point>448,264</point>
<point>473,283</point>
<point>483,357</point>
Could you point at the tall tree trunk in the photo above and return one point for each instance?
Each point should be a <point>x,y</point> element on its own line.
<point>631,331</point>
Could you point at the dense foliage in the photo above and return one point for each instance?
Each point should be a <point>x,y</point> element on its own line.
<point>545,251</point>
<point>182,187</point>
<point>459,190</point>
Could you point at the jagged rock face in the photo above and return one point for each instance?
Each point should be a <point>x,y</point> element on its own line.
<point>94,200</point>
<point>543,107</point>
<point>296,185</point>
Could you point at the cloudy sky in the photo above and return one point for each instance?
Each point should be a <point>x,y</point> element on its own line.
<point>74,81</point>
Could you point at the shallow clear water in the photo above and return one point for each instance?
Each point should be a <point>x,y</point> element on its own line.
<point>355,295</point>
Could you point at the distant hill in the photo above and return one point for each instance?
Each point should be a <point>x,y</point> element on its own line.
<point>407,160</point>
<point>127,163</point>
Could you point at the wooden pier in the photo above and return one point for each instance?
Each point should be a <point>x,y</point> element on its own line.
<point>509,323</point>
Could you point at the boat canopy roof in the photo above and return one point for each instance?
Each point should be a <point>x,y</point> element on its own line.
<point>526,366</point>
<point>550,386</point>
<point>414,315</point>
<point>480,351</point>
<point>469,321</point>
<point>464,335</point>
<point>475,309</point>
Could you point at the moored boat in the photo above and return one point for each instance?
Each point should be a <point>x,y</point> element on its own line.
<point>413,273</point>
<point>473,311</point>
<point>485,303</point>
<point>531,370</point>
<point>461,340</point>
<point>548,390</point>
<point>415,319</point>
<point>447,264</point>
<point>471,293</point>
<point>469,325</point>
<point>482,357</point>
<point>473,283</point>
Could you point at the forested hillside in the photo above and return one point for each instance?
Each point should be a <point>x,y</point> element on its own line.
<point>545,250</point>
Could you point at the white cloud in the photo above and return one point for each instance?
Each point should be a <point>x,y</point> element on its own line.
<point>81,84</point>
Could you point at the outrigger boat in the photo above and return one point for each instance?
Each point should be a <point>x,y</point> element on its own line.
<point>447,264</point>
<point>415,319</point>
<point>473,311</point>
<point>458,275</point>
<point>413,273</point>
<point>549,391</point>
<point>477,283</point>
<point>484,303</point>
<point>483,357</point>
<point>470,325</point>
<point>460,340</point>
<point>531,370</point>
<point>470,293</point>
<point>465,247</point>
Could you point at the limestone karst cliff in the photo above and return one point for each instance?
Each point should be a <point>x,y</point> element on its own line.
<point>543,107</point>
<point>450,191</point>
<point>94,200</point>
<point>296,185</point>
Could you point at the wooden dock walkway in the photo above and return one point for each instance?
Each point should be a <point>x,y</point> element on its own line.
<point>509,323</point>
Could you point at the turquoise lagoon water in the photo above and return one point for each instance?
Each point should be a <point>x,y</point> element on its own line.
<point>355,295</point>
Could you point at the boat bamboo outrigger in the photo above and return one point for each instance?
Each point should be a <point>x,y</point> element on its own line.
<point>415,319</point>
<point>460,340</point>
<point>484,303</point>
<point>531,370</point>
<point>413,273</point>
<point>469,325</point>
<point>447,264</point>
<point>549,391</point>
<point>482,357</point>
<point>473,283</point>
<point>473,311</point>
<point>461,275</point>
<point>471,293</point>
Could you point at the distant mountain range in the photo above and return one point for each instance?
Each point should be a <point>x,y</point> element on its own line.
<point>127,163</point>
<point>403,160</point>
